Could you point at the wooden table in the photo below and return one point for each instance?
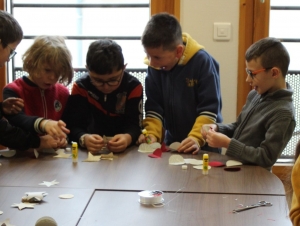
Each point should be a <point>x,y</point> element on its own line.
<point>135,171</point>
<point>106,192</point>
<point>122,208</point>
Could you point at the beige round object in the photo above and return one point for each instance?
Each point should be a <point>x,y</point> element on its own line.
<point>1,212</point>
<point>46,221</point>
<point>184,166</point>
<point>9,153</point>
<point>66,196</point>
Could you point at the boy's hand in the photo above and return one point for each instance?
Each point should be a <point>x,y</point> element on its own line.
<point>12,105</point>
<point>93,142</point>
<point>189,145</point>
<point>48,141</point>
<point>206,127</point>
<point>55,128</point>
<point>148,140</point>
<point>217,140</point>
<point>119,142</point>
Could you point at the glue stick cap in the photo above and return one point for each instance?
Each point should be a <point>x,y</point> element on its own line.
<point>46,221</point>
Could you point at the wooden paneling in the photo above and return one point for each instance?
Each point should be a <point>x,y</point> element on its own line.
<point>169,6</point>
<point>254,25</point>
<point>3,69</point>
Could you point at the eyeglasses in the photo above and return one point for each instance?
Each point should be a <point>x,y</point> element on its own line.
<point>253,73</point>
<point>12,52</point>
<point>100,83</point>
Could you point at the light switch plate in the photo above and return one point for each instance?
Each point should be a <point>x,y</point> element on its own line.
<point>222,31</point>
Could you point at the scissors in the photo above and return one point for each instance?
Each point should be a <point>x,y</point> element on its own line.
<point>260,203</point>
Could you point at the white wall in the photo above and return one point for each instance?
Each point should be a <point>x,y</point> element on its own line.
<point>197,18</point>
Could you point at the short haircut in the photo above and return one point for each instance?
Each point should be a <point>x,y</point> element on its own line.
<point>10,29</point>
<point>104,56</point>
<point>162,30</point>
<point>51,50</point>
<point>271,52</point>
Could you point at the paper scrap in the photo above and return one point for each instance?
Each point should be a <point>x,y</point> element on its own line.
<point>23,205</point>
<point>6,223</point>
<point>61,154</point>
<point>66,196</point>
<point>193,161</point>
<point>49,183</point>
<point>200,167</point>
<point>1,212</point>
<point>174,146</point>
<point>8,152</point>
<point>148,148</point>
<point>156,154</point>
<point>233,163</point>
<point>36,153</point>
<point>176,160</point>
<point>109,156</point>
<point>34,196</point>
<point>216,164</point>
<point>92,158</point>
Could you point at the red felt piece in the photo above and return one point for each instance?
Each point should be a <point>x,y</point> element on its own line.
<point>216,164</point>
<point>156,154</point>
<point>163,147</point>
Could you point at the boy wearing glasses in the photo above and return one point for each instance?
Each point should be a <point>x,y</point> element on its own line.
<point>105,102</point>
<point>267,121</point>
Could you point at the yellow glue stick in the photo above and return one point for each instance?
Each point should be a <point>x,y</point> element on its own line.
<point>74,152</point>
<point>145,132</point>
<point>205,164</point>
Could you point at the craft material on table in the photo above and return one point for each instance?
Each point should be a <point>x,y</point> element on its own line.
<point>176,160</point>
<point>205,164</point>
<point>148,148</point>
<point>153,197</point>
<point>49,183</point>
<point>34,196</point>
<point>66,196</point>
<point>61,154</point>
<point>92,158</point>
<point>74,152</point>
<point>174,146</point>
<point>233,163</point>
<point>23,205</point>
<point>259,204</point>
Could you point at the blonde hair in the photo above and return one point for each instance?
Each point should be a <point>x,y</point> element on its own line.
<point>51,50</point>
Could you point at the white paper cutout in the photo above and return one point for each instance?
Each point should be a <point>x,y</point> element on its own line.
<point>193,161</point>
<point>66,196</point>
<point>6,223</point>
<point>34,196</point>
<point>201,167</point>
<point>23,205</point>
<point>233,163</point>
<point>1,212</point>
<point>46,221</point>
<point>206,128</point>
<point>92,158</point>
<point>109,156</point>
<point>61,154</point>
<point>36,153</point>
<point>8,152</point>
<point>149,148</point>
<point>174,146</point>
<point>68,149</point>
<point>176,160</point>
<point>48,184</point>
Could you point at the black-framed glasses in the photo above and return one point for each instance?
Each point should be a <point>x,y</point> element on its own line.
<point>253,73</point>
<point>12,52</point>
<point>101,83</point>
